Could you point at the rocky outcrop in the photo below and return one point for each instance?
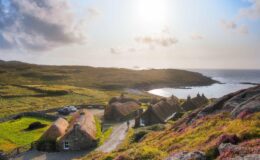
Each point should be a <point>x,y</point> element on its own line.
<point>240,104</point>
<point>248,107</point>
<point>245,150</point>
<point>224,138</point>
<point>196,155</point>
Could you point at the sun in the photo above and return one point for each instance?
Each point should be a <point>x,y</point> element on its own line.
<point>152,13</point>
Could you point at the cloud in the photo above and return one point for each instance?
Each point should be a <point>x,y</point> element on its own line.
<point>132,49</point>
<point>94,11</point>
<point>196,36</point>
<point>115,51</point>
<point>123,50</point>
<point>230,25</point>
<point>243,29</point>
<point>252,12</point>
<point>39,25</point>
<point>164,41</point>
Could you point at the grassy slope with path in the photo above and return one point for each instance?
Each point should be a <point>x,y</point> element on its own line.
<point>202,135</point>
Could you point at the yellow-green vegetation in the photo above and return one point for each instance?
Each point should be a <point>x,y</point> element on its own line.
<point>42,97</point>
<point>10,90</point>
<point>98,127</point>
<point>144,105</point>
<point>13,133</point>
<point>202,135</point>
<point>106,135</point>
<point>102,136</point>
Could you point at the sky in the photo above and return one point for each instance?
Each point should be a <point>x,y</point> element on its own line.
<point>137,34</point>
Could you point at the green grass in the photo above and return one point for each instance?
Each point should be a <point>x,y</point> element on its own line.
<point>102,136</point>
<point>98,127</point>
<point>75,96</point>
<point>13,135</point>
<point>105,135</point>
<point>10,90</point>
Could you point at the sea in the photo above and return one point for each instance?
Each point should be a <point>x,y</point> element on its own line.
<point>230,81</point>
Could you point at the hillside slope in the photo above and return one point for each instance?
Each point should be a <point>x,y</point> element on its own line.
<point>14,72</point>
<point>227,128</point>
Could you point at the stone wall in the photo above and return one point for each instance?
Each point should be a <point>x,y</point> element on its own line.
<point>77,140</point>
<point>30,114</point>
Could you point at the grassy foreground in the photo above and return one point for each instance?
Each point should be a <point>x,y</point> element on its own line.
<point>202,135</point>
<point>13,134</point>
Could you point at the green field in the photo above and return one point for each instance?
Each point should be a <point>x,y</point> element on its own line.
<point>41,97</point>
<point>13,134</point>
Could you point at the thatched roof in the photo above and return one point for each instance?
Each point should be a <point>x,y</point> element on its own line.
<point>125,108</point>
<point>188,105</point>
<point>56,130</point>
<point>195,102</point>
<point>121,99</point>
<point>85,122</point>
<point>165,109</point>
<point>173,100</point>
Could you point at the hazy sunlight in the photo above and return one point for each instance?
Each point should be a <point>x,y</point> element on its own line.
<point>152,13</point>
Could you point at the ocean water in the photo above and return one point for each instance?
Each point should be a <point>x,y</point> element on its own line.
<point>232,80</point>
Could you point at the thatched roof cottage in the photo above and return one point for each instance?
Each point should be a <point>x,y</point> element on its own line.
<point>79,134</point>
<point>161,111</point>
<point>48,140</point>
<point>121,108</point>
<point>56,130</point>
<point>194,103</point>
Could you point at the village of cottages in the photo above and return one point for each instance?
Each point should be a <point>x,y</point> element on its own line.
<point>80,131</point>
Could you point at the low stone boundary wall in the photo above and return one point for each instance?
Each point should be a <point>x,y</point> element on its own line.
<point>91,106</point>
<point>30,114</point>
<point>43,113</point>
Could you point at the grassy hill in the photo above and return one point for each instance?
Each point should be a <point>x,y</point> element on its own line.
<point>30,87</point>
<point>14,72</point>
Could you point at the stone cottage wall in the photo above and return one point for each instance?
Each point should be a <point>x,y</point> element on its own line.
<point>77,141</point>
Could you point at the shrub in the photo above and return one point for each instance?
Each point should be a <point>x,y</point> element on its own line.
<point>146,153</point>
<point>35,125</point>
<point>139,135</point>
<point>212,153</point>
<point>156,127</point>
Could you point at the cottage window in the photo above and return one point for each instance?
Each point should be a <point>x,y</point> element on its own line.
<point>66,145</point>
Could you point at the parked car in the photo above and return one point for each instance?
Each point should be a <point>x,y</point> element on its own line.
<point>67,110</point>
